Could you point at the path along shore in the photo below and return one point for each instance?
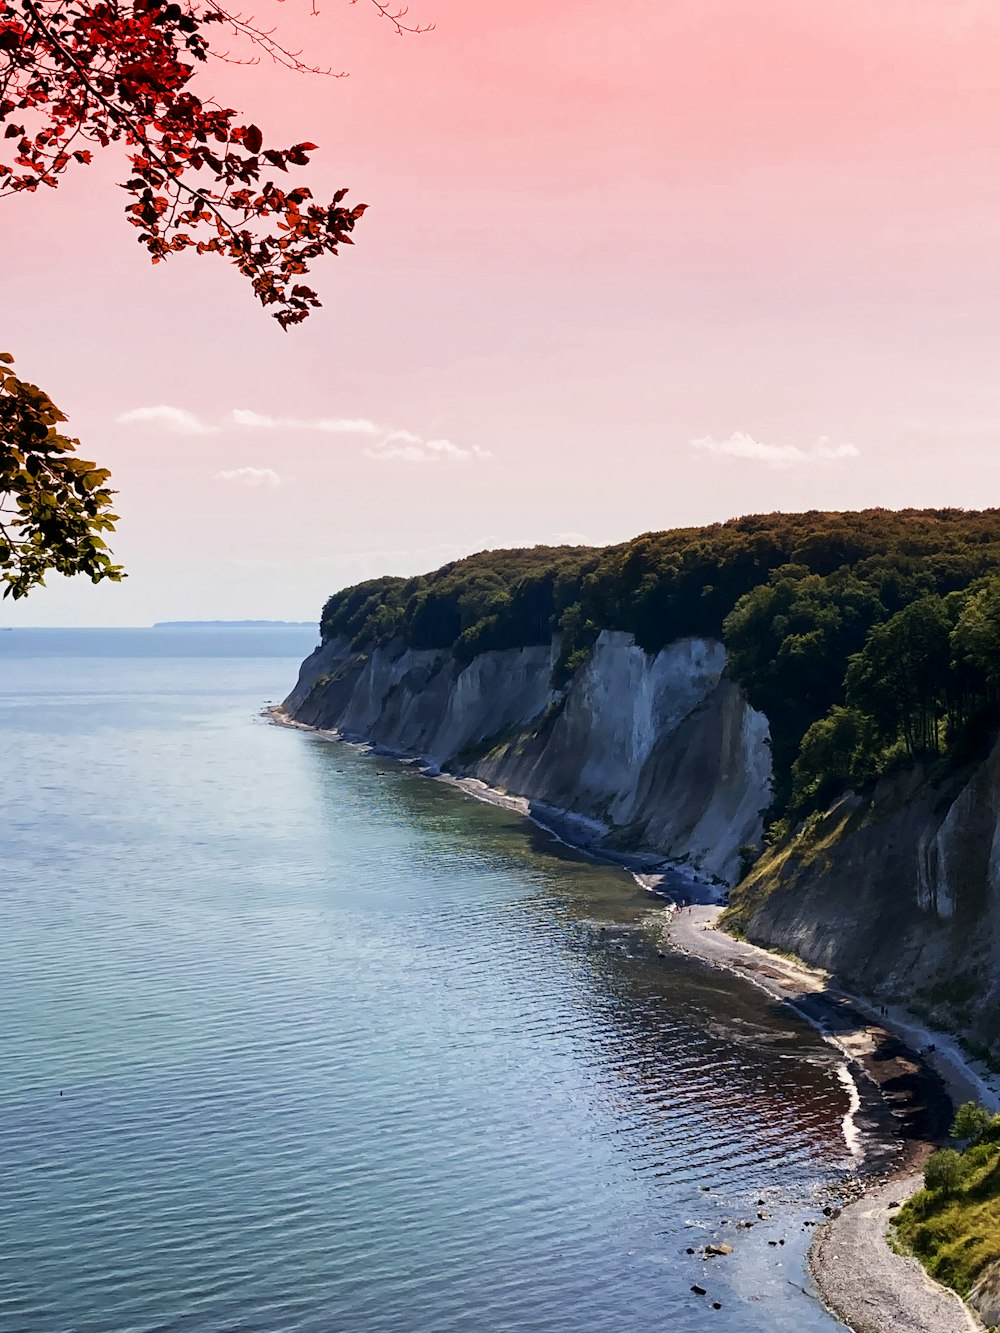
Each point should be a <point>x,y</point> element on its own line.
<point>867,1285</point>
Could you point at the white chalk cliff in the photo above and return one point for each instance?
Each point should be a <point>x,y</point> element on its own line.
<point>660,752</point>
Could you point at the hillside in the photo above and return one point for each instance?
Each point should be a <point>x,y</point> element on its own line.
<point>953,1224</point>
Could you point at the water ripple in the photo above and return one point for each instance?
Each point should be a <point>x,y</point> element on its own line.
<point>346,1052</point>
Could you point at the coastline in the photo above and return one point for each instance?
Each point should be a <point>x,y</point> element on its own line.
<point>901,1103</point>
<point>859,1276</point>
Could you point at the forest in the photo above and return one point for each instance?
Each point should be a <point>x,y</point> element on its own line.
<point>869,639</point>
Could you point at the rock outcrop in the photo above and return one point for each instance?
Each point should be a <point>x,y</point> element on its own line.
<point>659,752</point>
<point>985,1297</point>
<point>898,894</point>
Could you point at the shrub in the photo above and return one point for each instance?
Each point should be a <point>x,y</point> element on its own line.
<point>945,1171</point>
<point>971,1122</point>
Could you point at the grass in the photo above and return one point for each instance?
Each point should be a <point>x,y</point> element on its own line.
<point>955,1232</point>
<point>806,850</point>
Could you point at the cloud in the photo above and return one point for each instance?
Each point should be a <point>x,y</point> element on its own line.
<point>177,420</point>
<point>402,446</point>
<point>399,446</point>
<point>251,476</point>
<point>389,445</point>
<point>741,445</point>
<point>244,416</point>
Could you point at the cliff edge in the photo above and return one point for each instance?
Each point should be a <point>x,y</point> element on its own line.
<point>898,893</point>
<point>659,754</point>
<point>651,753</point>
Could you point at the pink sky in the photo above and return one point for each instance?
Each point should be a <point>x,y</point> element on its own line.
<point>638,266</point>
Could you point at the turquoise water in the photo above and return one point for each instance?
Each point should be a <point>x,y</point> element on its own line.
<point>289,1045</point>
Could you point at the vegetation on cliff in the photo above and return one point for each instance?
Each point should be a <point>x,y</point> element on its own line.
<point>867,638</point>
<point>953,1224</point>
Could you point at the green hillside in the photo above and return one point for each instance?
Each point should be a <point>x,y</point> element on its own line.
<point>953,1224</point>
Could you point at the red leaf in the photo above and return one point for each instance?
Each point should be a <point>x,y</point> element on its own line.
<point>253,139</point>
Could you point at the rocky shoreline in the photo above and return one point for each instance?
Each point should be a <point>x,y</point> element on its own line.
<point>908,1105</point>
<point>870,1287</point>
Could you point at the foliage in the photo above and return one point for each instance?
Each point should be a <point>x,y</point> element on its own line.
<point>81,75</point>
<point>862,636</point>
<point>945,1171</point>
<point>749,855</point>
<point>54,506</point>
<point>973,1122</point>
<point>838,752</point>
<point>977,634</point>
<point>497,599</point>
<point>789,639</point>
<point>953,1224</point>
<point>901,676</point>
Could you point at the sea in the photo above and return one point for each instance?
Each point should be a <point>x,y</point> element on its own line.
<point>295,1038</point>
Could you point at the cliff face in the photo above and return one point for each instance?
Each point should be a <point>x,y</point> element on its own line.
<point>899,895</point>
<point>985,1297</point>
<point>660,752</point>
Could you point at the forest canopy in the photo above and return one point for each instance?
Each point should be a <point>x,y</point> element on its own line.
<point>868,638</point>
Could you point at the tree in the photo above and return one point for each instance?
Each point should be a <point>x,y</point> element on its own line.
<point>788,640</point>
<point>972,1122</point>
<point>78,76</point>
<point>837,752</point>
<point>901,677</point>
<point>945,1171</point>
<point>53,505</point>
<point>976,637</point>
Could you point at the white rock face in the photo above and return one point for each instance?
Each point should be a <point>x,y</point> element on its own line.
<point>660,752</point>
<point>622,704</point>
<point>495,692</point>
<point>985,1296</point>
<point>904,898</point>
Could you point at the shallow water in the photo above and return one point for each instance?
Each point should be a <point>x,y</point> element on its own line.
<point>286,1044</point>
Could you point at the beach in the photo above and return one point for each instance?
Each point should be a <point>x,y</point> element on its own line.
<point>860,1278</point>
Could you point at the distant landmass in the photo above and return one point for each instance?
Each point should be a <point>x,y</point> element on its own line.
<point>236,624</point>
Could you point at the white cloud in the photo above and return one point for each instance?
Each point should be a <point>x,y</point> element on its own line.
<point>177,420</point>
<point>251,476</point>
<point>389,445</point>
<point>823,448</point>
<point>741,445</point>
<point>244,416</point>
<point>402,446</point>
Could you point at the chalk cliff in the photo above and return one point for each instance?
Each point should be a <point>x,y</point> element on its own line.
<point>660,752</point>
<point>985,1297</point>
<point>898,894</point>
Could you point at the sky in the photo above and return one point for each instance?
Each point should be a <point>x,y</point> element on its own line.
<point>624,268</point>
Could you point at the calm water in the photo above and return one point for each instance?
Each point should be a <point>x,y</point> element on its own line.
<point>341,1051</point>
